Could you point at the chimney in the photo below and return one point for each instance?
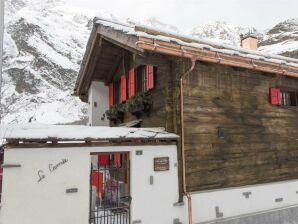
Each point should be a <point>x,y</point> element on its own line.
<point>249,41</point>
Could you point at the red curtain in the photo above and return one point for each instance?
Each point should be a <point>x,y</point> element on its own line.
<point>97,181</point>
<point>117,159</point>
<point>103,159</point>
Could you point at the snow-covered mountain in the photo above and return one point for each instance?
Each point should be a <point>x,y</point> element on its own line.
<point>282,39</point>
<point>44,44</point>
<point>221,31</point>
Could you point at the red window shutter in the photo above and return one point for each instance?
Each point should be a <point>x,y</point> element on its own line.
<point>111,93</point>
<point>123,88</point>
<point>97,182</point>
<point>117,159</point>
<point>275,96</point>
<point>103,160</point>
<point>132,80</point>
<point>150,77</point>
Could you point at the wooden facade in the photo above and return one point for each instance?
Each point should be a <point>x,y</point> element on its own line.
<point>234,136</point>
<point>259,142</point>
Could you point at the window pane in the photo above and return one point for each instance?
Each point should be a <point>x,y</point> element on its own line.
<point>140,79</point>
<point>116,92</point>
<point>289,98</point>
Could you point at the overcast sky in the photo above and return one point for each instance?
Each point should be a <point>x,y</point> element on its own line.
<point>185,14</point>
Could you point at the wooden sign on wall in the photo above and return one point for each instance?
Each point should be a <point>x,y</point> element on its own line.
<point>161,164</point>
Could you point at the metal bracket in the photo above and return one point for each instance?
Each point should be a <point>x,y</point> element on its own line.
<point>246,194</point>
<point>279,199</point>
<point>139,152</point>
<point>151,180</point>
<point>178,203</point>
<point>71,190</point>
<point>218,213</point>
<point>177,221</point>
<point>10,165</point>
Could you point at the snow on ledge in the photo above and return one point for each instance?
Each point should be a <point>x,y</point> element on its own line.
<point>80,132</point>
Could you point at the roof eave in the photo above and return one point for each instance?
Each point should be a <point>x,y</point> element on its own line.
<point>108,34</point>
<point>202,54</point>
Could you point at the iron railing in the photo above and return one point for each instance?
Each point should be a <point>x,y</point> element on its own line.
<point>109,192</point>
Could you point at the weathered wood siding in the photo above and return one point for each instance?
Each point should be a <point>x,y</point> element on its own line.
<point>260,143</point>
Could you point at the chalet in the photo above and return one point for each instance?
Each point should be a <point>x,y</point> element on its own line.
<point>235,109</point>
<point>180,130</point>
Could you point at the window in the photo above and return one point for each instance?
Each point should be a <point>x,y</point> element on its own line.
<point>138,80</point>
<point>288,98</point>
<point>117,92</point>
<point>144,78</point>
<point>141,79</point>
<point>283,97</point>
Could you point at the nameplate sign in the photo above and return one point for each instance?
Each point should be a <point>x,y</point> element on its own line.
<point>161,164</point>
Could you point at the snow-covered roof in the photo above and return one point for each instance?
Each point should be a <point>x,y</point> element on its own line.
<point>166,42</point>
<point>43,132</point>
<point>198,43</point>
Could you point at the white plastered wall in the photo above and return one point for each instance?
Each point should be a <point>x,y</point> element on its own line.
<point>233,202</point>
<point>27,201</point>
<point>98,100</point>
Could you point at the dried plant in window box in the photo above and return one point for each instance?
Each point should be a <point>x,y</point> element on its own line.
<point>116,113</point>
<point>140,103</point>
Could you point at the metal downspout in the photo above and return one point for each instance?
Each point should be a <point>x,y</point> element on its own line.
<point>193,63</point>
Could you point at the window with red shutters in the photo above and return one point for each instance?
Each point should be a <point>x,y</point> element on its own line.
<point>149,77</point>
<point>144,78</point>
<point>132,83</point>
<point>275,96</point>
<point>123,88</point>
<point>111,94</point>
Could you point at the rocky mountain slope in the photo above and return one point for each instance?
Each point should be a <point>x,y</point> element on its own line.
<point>44,44</point>
<point>282,39</point>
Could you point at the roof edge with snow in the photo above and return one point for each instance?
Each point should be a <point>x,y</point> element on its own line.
<point>42,133</point>
<point>158,39</point>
